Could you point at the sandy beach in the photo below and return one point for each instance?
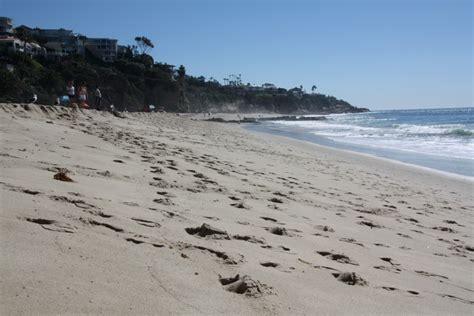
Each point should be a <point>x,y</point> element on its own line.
<point>167,214</point>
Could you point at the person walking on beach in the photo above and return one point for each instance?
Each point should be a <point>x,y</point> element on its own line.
<point>98,98</point>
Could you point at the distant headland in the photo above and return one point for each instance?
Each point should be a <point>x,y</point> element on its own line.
<point>35,61</point>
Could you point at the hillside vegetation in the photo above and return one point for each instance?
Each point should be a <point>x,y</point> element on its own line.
<point>135,81</point>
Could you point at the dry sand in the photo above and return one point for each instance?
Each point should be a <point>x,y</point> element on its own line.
<point>168,215</point>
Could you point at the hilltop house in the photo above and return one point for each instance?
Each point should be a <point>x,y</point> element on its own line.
<point>6,26</point>
<point>103,48</point>
<point>62,42</point>
<point>121,50</point>
<point>55,43</point>
<point>15,45</point>
<point>297,92</point>
<point>11,44</point>
<point>269,86</point>
<point>59,41</point>
<point>67,42</point>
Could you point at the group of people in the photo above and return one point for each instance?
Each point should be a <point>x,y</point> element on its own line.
<point>81,96</point>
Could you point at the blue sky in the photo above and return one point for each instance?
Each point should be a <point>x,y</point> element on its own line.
<point>383,54</point>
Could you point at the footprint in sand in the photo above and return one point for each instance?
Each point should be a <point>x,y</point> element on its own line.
<point>350,278</point>
<point>428,274</point>
<point>280,194</point>
<point>166,194</point>
<point>352,241</point>
<point>268,219</point>
<point>320,235</point>
<point>240,205</point>
<point>445,229</point>
<point>404,235</point>
<point>206,230</point>
<point>280,231</point>
<point>453,222</point>
<point>225,257</point>
<point>276,200</point>
<point>31,192</point>
<point>369,224</point>
<point>105,173</point>
<point>325,228</point>
<point>200,176</point>
<point>389,260</point>
<point>389,288</point>
<point>156,169</point>
<point>244,285</point>
<point>337,257</point>
<point>52,225</point>
<point>457,298</point>
<point>131,203</point>
<point>140,239</point>
<point>274,207</point>
<point>164,201</point>
<point>251,239</point>
<point>283,248</point>
<point>145,222</point>
<point>76,202</point>
<point>212,218</point>
<point>98,213</point>
<point>320,267</point>
<point>106,225</point>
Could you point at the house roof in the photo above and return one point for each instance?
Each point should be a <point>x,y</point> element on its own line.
<point>23,27</point>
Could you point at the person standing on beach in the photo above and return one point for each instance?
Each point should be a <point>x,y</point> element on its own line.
<point>98,98</point>
<point>83,96</point>
<point>71,92</point>
<point>34,98</point>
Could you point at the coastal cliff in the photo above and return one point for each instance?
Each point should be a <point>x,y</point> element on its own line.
<point>133,83</point>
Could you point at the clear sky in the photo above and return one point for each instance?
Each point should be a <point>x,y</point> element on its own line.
<point>381,54</point>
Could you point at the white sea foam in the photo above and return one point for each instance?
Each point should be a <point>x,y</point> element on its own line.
<point>427,132</point>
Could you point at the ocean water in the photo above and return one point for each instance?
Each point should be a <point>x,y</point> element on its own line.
<point>441,139</point>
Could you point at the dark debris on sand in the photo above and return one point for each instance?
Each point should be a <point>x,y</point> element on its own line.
<point>207,230</point>
<point>61,175</point>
